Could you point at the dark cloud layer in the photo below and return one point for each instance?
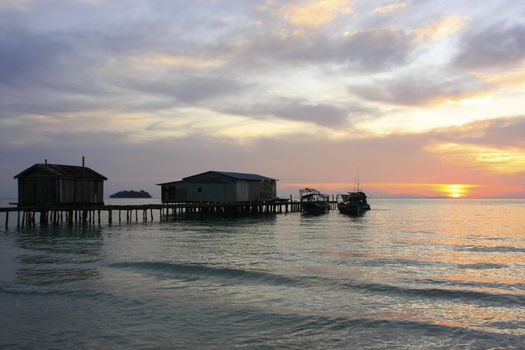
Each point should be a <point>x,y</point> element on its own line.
<point>418,88</point>
<point>187,88</point>
<point>498,45</point>
<point>506,131</point>
<point>497,132</point>
<point>27,58</point>
<point>324,114</point>
<point>366,50</point>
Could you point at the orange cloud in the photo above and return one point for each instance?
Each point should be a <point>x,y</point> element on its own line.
<point>503,79</point>
<point>507,160</point>
<point>441,28</point>
<point>315,13</point>
<point>153,61</point>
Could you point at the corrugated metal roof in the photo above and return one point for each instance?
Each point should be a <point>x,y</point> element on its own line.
<point>169,183</point>
<point>244,176</point>
<point>234,175</point>
<point>61,170</point>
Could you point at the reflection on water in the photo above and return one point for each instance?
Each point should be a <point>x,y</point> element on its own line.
<point>58,255</point>
<point>408,274</point>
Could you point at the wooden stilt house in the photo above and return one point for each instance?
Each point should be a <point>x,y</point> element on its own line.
<point>46,184</point>
<point>220,186</point>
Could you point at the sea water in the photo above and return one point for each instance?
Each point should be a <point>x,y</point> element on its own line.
<point>409,274</point>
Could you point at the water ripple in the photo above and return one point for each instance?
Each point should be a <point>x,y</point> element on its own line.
<point>466,296</point>
<point>196,271</point>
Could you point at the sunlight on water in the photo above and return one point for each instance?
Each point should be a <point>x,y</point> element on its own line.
<point>409,274</point>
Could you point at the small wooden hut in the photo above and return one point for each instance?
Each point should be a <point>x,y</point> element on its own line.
<point>46,184</point>
<point>220,186</point>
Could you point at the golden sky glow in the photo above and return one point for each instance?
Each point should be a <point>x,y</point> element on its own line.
<point>398,188</point>
<point>492,159</point>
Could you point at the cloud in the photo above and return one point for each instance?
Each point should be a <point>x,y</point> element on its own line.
<point>385,9</point>
<point>418,88</point>
<point>314,13</point>
<point>497,160</point>
<point>264,86</point>
<point>506,131</point>
<point>318,113</point>
<point>323,114</point>
<point>290,159</point>
<point>441,28</point>
<point>163,60</point>
<point>499,45</point>
<point>495,146</point>
<point>186,88</point>
<point>376,49</point>
<point>29,58</point>
<point>502,132</point>
<point>20,5</point>
<point>366,50</point>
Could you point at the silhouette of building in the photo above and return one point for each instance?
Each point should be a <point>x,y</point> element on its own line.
<point>46,184</point>
<point>220,186</point>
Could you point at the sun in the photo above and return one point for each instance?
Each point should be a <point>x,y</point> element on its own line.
<point>455,191</point>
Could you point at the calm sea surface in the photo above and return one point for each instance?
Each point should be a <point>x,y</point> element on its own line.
<point>410,274</point>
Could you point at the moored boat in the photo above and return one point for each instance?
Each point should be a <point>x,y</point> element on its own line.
<point>313,201</point>
<point>354,203</point>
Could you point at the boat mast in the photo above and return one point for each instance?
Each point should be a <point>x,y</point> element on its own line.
<point>358,179</point>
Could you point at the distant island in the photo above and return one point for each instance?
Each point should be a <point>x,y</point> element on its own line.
<point>131,194</point>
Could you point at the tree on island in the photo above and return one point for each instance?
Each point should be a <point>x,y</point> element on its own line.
<point>131,194</point>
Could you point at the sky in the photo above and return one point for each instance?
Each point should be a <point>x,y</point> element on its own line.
<point>420,98</point>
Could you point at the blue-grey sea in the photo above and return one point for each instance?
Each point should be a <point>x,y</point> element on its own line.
<point>410,274</point>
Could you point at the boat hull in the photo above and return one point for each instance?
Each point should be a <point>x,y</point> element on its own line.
<point>315,207</point>
<point>352,209</point>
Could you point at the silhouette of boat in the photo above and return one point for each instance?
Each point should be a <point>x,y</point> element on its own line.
<point>354,203</point>
<point>313,201</point>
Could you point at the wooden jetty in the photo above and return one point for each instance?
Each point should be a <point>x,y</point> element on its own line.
<point>84,215</point>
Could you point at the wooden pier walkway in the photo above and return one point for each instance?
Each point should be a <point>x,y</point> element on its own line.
<point>84,215</point>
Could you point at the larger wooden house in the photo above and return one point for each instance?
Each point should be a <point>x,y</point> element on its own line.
<point>46,184</point>
<point>220,186</point>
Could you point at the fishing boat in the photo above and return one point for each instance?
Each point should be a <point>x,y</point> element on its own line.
<point>313,201</point>
<point>354,203</point>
